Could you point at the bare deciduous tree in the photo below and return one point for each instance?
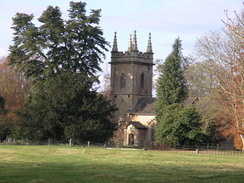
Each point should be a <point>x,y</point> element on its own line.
<point>224,50</point>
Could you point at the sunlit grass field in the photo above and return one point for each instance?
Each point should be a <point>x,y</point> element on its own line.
<point>57,164</point>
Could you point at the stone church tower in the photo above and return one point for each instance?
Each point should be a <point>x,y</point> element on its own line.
<point>131,91</point>
<point>131,76</point>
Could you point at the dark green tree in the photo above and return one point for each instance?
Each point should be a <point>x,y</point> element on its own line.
<point>171,85</point>
<point>179,125</point>
<point>175,123</point>
<point>62,57</point>
<point>57,45</point>
<point>67,108</point>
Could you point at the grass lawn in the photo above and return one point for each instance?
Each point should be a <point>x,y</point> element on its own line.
<point>57,164</point>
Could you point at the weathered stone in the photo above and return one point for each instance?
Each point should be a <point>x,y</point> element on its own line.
<point>131,91</point>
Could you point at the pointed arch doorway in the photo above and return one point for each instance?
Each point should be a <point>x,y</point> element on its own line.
<point>131,139</point>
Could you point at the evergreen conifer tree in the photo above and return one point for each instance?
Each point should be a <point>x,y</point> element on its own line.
<point>176,123</point>
<point>57,45</point>
<point>171,86</point>
<point>67,108</point>
<point>62,57</point>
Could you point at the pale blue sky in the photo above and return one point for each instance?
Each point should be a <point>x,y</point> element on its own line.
<point>165,19</point>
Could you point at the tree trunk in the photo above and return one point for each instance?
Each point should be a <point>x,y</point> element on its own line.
<point>242,138</point>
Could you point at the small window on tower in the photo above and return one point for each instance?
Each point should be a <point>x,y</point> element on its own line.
<point>122,80</point>
<point>142,80</point>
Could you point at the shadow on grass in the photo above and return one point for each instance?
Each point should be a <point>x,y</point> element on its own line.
<point>102,172</point>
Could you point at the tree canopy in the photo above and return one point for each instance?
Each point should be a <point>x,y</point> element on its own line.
<point>223,51</point>
<point>57,45</point>
<point>179,125</point>
<point>171,85</point>
<point>176,123</point>
<point>67,108</point>
<point>62,57</point>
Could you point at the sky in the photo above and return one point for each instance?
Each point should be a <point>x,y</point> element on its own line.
<point>164,19</point>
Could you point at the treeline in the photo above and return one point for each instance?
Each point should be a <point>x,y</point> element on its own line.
<point>211,81</point>
<point>47,83</point>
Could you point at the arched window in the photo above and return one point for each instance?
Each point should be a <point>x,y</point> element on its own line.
<point>142,80</point>
<point>122,80</point>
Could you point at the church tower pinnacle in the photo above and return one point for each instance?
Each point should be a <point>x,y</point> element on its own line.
<point>130,46</point>
<point>135,42</point>
<point>115,45</point>
<point>149,45</point>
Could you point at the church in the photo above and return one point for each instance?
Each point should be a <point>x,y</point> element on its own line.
<point>131,91</point>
